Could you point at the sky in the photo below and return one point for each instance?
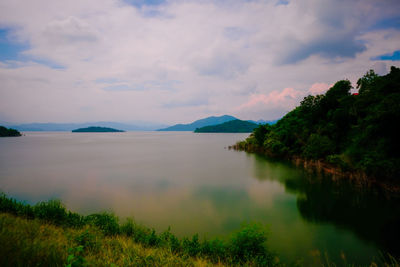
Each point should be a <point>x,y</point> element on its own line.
<point>178,61</point>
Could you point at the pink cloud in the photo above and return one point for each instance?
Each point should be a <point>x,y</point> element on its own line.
<point>286,97</point>
<point>319,88</point>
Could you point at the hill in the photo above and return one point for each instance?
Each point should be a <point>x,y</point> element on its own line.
<point>199,123</point>
<point>96,129</point>
<point>4,132</point>
<point>353,133</point>
<point>234,126</point>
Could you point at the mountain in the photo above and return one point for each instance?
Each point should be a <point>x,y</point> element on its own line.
<point>96,129</point>
<point>140,126</point>
<point>200,123</point>
<point>235,126</point>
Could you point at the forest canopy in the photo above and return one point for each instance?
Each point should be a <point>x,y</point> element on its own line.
<point>356,132</point>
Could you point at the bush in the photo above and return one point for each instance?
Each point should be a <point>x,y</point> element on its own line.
<point>106,222</point>
<point>249,243</point>
<point>52,211</point>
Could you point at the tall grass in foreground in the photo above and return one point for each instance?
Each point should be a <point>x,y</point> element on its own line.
<point>46,234</point>
<point>76,240</point>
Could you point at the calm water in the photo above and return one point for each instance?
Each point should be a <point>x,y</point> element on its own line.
<point>192,183</point>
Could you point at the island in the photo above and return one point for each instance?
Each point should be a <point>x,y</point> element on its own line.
<point>233,126</point>
<point>96,129</point>
<point>5,132</point>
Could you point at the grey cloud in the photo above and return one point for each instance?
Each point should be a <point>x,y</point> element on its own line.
<point>226,66</point>
<point>327,47</point>
<point>335,28</point>
<point>195,102</point>
<point>122,87</point>
<point>234,33</point>
<point>70,30</point>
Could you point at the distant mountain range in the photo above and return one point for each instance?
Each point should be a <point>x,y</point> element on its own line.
<point>71,126</point>
<point>234,126</point>
<point>209,121</point>
<point>135,126</point>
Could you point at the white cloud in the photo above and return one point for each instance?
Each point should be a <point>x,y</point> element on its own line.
<point>182,60</point>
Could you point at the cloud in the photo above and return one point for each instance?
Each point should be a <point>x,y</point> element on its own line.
<point>224,65</point>
<point>179,60</point>
<point>334,47</point>
<point>195,102</point>
<point>69,30</point>
<point>319,88</point>
<point>288,97</point>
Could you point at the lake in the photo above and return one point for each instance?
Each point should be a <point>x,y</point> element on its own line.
<point>194,184</point>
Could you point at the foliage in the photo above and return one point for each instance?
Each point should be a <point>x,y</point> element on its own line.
<point>4,132</point>
<point>29,241</point>
<point>247,246</point>
<point>355,132</point>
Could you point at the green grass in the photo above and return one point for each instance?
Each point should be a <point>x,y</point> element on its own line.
<point>46,234</point>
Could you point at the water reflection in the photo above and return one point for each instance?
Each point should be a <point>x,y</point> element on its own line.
<point>371,214</point>
<point>191,183</point>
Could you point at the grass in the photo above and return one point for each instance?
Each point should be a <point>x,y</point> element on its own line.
<point>25,242</point>
<point>46,234</point>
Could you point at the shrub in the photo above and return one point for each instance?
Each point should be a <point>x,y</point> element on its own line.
<point>249,243</point>
<point>106,222</point>
<point>52,211</point>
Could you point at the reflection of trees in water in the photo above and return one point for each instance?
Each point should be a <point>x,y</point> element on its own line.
<point>372,215</point>
<point>369,214</point>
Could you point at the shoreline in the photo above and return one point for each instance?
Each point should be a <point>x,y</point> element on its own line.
<point>323,168</point>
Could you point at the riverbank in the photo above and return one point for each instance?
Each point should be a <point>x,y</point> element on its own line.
<point>324,168</point>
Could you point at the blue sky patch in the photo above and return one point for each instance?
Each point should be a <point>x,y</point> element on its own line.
<point>395,56</point>
<point>9,48</point>
<point>282,2</point>
<point>141,3</point>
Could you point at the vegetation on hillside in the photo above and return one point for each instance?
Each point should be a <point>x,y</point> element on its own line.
<point>96,129</point>
<point>4,132</point>
<point>46,234</point>
<point>355,132</point>
<point>234,126</point>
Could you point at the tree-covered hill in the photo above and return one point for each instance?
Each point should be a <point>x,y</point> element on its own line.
<point>234,126</point>
<point>199,123</point>
<point>356,132</point>
<point>96,129</point>
<point>4,132</point>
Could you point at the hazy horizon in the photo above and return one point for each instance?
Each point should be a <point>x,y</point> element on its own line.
<point>172,61</point>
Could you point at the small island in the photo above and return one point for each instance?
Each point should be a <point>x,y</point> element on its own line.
<point>4,132</point>
<point>234,126</point>
<point>96,129</point>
